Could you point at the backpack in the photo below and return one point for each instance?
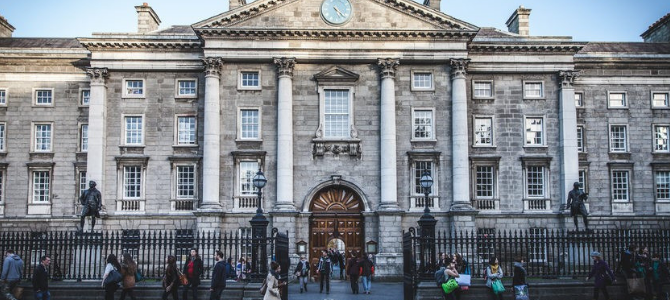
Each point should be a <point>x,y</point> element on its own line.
<point>440,277</point>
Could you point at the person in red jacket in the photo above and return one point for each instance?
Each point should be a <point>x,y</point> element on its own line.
<point>192,270</point>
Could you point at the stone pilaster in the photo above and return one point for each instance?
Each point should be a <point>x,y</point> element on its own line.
<point>212,143</point>
<point>97,131</point>
<point>568,133</point>
<point>285,134</point>
<point>459,136</point>
<point>389,177</point>
<point>389,259</point>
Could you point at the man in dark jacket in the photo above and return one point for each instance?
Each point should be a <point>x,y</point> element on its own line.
<point>325,268</point>
<point>12,269</point>
<point>41,279</point>
<point>218,277</point>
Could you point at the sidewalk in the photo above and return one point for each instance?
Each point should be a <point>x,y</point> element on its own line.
<point>341,290</point>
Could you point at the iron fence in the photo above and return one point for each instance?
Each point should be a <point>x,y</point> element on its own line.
<point>82,256</point>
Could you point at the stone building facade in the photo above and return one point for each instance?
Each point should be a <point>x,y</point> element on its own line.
<point>343,105</point>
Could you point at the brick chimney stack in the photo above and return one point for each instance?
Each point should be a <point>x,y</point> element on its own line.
<point>147,19</point>
<point>519,21</point>
<point>434,4</point>
<point>6,29</point>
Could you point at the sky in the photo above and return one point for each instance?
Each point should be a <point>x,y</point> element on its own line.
<point>584,20</point>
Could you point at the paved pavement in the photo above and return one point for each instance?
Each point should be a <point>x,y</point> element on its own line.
<point>341,290</point>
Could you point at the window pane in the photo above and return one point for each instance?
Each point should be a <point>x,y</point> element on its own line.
<point>3,97</point>
<point>85,97</point>
<point>337,113</point>
<point>43,137</point>
<point>132,182</point>
<point>618,139</point>
<point>84,138</point>
<point>187,87</point>
<point>579,102</point>
<point>43,97</point>
<point>580,138</point>
<point>419,168</point>
<point>133,130</point>
<point>41,186</point>
<point>423,124</point>
<point>663,185</point>
<point>483,132</point>
<point>533,89</point>
<point>250,79</point>
<point>617,100</point>
<point>186,131</point>
<point>620,186</point>
<point>534,131</point>
<point>82,182</point>
<point>2,185</point>
<point>2,137</point>
<point>483,89</point>
<point>134,87</point>
<point>423,80</point>
<point>661,138</point>
<point>250,123</point>
<point>248,170</point>
<point>484,182</point>
<point>582,180</point>
<point>660,100</point>
<point>185,182</point>
<point>535,181</point>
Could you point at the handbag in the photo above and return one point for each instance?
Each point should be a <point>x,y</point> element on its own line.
<point>182,278</point>
<point>498,287</point>
<point>463,280</point>
<point>521,292</point>
<point>449,286</point>
<point>635,285</point>
<point>264,287</point>
<point>113,277</point>
<point>138,276</point>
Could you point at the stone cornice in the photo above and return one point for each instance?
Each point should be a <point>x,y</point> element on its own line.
<point>524,48</point>
<point>133,44</point>
<point>335,34</point>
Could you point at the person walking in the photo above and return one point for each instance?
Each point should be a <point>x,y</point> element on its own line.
<point>41,279</point>
<point>603,275</point>
<point>353,270</point>
<point>325,269</point>
<point>302,273</point>
<point>494,273</point>
<point>643,267</point>
<point>341,263</point>
<point>368,269</point>
<point>112,265</point>
<point>659,276</point>
<point>273,283</point>
<point>128,271</point>
<point>12,271</point>
<point>192,269</point>
<point>218,277</point>
<point>171,279</point>
<point>519,278</point>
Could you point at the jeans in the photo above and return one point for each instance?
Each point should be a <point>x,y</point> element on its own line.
<point>216,294</point>
<point>194,291</point>
<point>302,280</point>
<point>43,295</point>
<point>366,283</point>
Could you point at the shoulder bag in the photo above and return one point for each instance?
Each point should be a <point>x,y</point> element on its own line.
<point>264,287</point>
<point>113,277</point>
<point>182,278</point>
<point>497,286</point>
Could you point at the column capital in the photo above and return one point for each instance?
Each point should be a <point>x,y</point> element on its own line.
<point>459,67</point>
<point>97,75</point>
<point>388,66</point>
<point>212,65</point>
<point>285,66</point>
<point>566,78</point>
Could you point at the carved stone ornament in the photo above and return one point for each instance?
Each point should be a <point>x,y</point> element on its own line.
<point>567,78</point>
<point>388,66</point>
<point>285,66</point>
<point>213,65</point>
<point>459,67</point>
<point>351,148</point>
<point>97,75</point>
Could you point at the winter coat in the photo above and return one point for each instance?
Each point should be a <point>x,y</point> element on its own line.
<point>300,267</point>
<point>490,276</point>
<point>128,273</point>
<point>171,278</point>
<point>367,266</point>
<point>197,270</point>
<point>219,275</point>
<point>272,293</point>
<point>599,271</point>
<point>353,268</point>
<point>12,268</point>
<point>519,274</point>
<point>40,279</point>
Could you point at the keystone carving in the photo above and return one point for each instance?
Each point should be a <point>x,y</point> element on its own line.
<point>567,78</point>
<point>459,67</point>
<point>285,66</point>
<point>388,66</point>
<point>213,66</point>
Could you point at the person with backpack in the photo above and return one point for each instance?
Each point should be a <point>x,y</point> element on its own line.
<point>218,277</point>
<point>113,266</point>
<point>324,269</point>
<point>353,270</point>
<point>603,275</point>
<point>659,276</point>
<point>494,274</point>
<point>302,273</point>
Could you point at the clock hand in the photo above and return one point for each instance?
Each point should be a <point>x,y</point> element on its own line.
<point>338,11</point>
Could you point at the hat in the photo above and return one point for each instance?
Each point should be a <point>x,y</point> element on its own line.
<point>595,253</point>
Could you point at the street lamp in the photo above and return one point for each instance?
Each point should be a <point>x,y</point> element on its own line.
<point>427,225</point>
<point>259,182</point>
<point>259,228</point>
<point>426,183</point>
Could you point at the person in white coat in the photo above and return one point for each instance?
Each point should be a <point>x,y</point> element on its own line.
<point>273,291</point>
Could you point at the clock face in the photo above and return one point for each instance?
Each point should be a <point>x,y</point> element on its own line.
<point>336,11</point>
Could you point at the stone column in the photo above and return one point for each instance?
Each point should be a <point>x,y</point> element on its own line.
<point>389,177</point>
<point>568,133</point>
<point>97,113</point>
<point>285,134</point>
<point>212,139</point>
<point>460,175</point>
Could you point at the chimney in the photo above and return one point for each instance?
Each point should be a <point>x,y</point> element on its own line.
<point>236,3</point>
<point>519,22</point>
<point>147,19</point>
<point>6,29</point>
<point>434,4</point>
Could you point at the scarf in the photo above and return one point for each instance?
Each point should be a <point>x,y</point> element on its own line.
<point>494,269</point>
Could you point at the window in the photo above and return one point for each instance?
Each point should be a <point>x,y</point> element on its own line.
<point>535,182</point>
<point>583,180</point>
<point>534,131</point>
<point>482,89</point>
<point>250,124</point>
<point>41,186</point>
<point>2,186</point>
<point>336,115</point>
<point>662,185</point>
<point>186,131</point>
<point>249,80</point>
<point>134,88</point>
<point>132,182</point>
<point>661,138</point>
<point>3,96</point>
<point>186,184</point>
<point>187,88</point>
<point>618,138</point>
<point>3,137</point>
<point>133,130</point>
<point>42,137</point>
<point>533,89</point>
<point>85,97</point>
<point>483,130</point>
<point>422,81</point>
<point>81,182</point>
<point>660,100</point>
<point>620,186</point>
<point>537,250</point>
<point>484,182</point>
<point>617,100</point>
<point>43,97</point>
<point>579,100</point>
<point>248,170</point>
<point>83,138</point>
<point>247,164</point>
<point>580,139</point>
<point>422,122</point>
<point>419,168</point>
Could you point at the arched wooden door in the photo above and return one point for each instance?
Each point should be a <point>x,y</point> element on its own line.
<point>336,214</point>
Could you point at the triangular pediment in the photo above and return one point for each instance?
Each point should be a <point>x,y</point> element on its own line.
<point>305,15</point>
<point>336,74</point>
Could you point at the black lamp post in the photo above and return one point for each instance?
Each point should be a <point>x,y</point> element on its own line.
<point>259,228</point>
<point>427,224</point>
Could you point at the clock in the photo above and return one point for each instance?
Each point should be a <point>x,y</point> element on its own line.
<point>336,12</point>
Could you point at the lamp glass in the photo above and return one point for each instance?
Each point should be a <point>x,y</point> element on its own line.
<point>426,181</point>
<point>259,180</point>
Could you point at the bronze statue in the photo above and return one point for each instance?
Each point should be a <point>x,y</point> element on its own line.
<point>576,199</point>
<point>91,199</point>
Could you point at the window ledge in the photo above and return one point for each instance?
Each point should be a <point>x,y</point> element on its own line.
<point>422,144</point>
<point>41,155</point>
<point>133,97</point>
<point>248,140</point>
<point>321,147</point>
<point>186,146</point>
<point>39,208</point>
<point>622,207</point>
<point>484,146</point>
<point>484,98</point>
<point>660,107</point>
<point>533,98</point>
<point>663,207</point>
<point>423,90</point>
<point>253,89</point>
<point>131,149</point>
<point>619,155</point>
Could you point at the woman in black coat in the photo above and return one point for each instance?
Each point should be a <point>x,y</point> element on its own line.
<point>192,270</point>
<point>171,279</point>
<point>353,270</point>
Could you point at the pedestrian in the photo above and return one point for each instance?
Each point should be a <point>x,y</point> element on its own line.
<point>273,283</point>
<point>627,264</point>
<point>519,279</point>
<point>12,271</point>
<point>112,265</point>
<point>218,277</point>
<point>240,271</point>
<point>171,279</point>
<point>367,270</point>
<point>128,270</point>
<point>41,279</point>
<point>494,273</point>
<point>302,273</point>
<point>451,272</point>
<point>603,275</point>
<point>643,267</point>
<point>353,270</point>
<point>341,263</point>
<point>324,269</point>
<point>659,276</point>
<point>230,269</point>
<point>192,269</point>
